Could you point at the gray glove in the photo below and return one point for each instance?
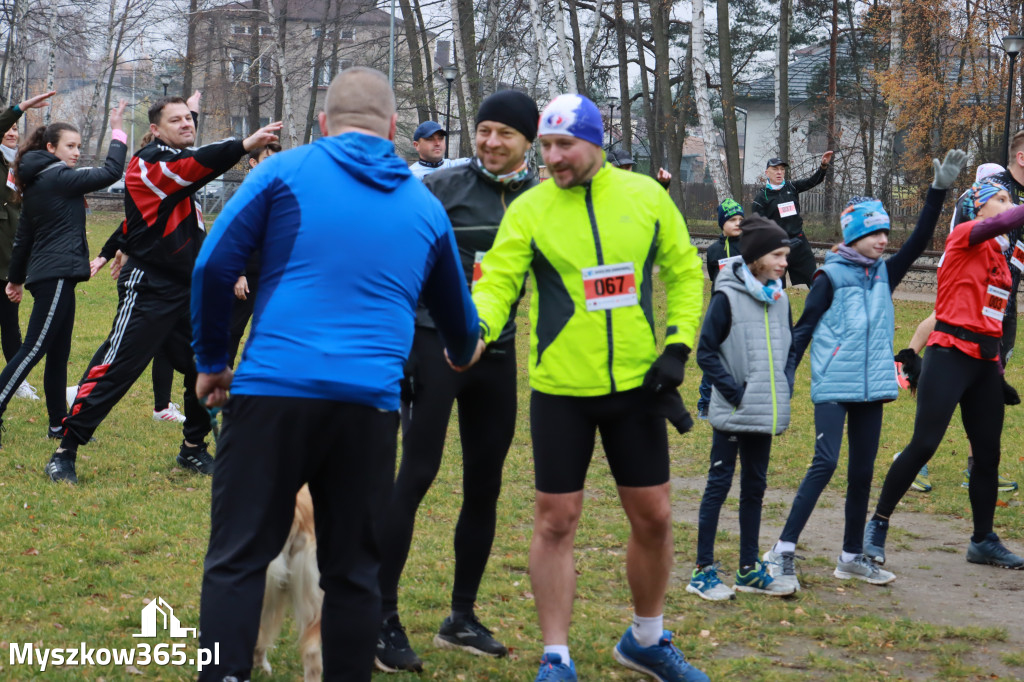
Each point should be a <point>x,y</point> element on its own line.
<point>947,172</point>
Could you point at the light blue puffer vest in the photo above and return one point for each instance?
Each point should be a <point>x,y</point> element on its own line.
<point>851,354</point>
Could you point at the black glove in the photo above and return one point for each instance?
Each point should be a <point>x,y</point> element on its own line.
<point>667,371</point>
<point>669,404</point>
<point>911,366</point>
<point>409,384</point>
<point>1010,395</point>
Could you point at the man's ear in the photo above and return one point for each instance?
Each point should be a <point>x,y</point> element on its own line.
<point>323,123</point>
<point>393,127</point>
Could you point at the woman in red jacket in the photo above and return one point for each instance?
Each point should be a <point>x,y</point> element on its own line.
<point>962,367</point>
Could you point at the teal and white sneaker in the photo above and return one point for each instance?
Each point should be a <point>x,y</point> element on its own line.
<point>921,482</point>
<point>704,583</point>
<point>553,670</point>
<point>863,568</point>
<point>992,552</point>
<point>662,662</point>
<point>874,540</point>
<point>1004,485</point>
<point>782,568</point>
<point>758,581</point>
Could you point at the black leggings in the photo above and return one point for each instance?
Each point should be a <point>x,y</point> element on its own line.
<point>486,397</point>
<point>163,377</point>
<point>49,333</point>
<point>10,327</point>
<point>950,377</point>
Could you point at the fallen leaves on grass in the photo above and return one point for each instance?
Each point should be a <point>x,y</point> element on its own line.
<point>31,551</point>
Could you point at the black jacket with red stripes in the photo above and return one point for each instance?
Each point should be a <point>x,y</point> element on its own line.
<point>163,225</point>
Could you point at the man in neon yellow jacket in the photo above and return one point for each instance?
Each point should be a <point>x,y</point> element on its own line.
<point>591,238</point>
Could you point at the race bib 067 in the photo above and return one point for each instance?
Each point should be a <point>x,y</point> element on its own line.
<point>610,286</point>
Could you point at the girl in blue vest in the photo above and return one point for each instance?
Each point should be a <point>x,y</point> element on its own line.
<point>850,314</point>
<point>743,349</point>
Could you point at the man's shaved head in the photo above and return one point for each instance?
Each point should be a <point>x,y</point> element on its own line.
<point>360,97</point>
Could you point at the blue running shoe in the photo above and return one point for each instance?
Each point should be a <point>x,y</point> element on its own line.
<point>874,540</point>
<point>663,662</point>
<point>553,670</point>
<point>991,551</point>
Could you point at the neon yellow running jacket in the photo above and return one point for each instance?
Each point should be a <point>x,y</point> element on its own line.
<point>591,251</point>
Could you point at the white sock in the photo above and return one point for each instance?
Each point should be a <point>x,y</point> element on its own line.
<point>781,547</point>
<point>846,557</point>
<point>647,631</point>
<point>560,649</point>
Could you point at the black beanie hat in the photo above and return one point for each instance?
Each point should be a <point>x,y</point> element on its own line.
<point>513,108</point>
<point>759,236</point>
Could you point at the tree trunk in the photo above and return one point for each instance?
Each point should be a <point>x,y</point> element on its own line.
<point>563,47</point>
<point>459,58</point>
<point>253,110</point>
<point>111,58</point>
<point>428,61</point>
<point>663,87</point>
<point>652,133</point>
<point>489,77</point>
<point>415,62</point>
<point>591,51</point>
<point>833,45</point>
<point>732,145</point>
<point>286,79</point>
<point>580,70</point>
<point>465,49</point>
<point>782,86</point>
<point>51,65</point>
<point>318,66</point>
<point>700,91</point>
<point>101,135</point>
<point>190,48</point>
<point>625,119</point>
<point>541,42</point>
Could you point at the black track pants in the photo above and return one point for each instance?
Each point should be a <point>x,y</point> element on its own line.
<point>268,448</point>
<point>10,326</point>
<point>48,333</point>
<point>163,377</point>
<point>949,378</point>
<point>486,396</point>
<point>152,315</point>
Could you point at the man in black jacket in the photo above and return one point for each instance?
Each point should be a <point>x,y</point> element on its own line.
<point>475,197</point>
<point>779,200</point>
<point>163,232</point>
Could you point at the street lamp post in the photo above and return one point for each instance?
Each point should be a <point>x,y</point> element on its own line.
<point>1013,45</point>
<point>449,72</point>
<point>165,79</point>
<point>612,103</point>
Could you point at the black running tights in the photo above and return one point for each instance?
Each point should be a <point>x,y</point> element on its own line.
<point>948,378</point>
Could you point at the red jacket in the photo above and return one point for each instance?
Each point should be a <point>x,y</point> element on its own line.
<point>974,289</point>
<point>163,225</point>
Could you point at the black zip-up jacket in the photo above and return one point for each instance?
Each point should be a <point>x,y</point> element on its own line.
<point>475,204</point>
<point>766,202</point>
<point>10,211</point>
<point>723,248</point>
<point>51,242</point>
<point>163,225</point>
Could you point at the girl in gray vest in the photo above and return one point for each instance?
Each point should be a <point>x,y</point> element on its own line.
<point>850,314</point>
<point>743,349</point>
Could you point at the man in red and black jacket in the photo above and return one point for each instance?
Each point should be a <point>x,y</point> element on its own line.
<point>163,231</point>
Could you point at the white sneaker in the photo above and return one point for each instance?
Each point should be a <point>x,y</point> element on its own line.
<point>70,393</point>
<point>171,413</point>
<point>863,568</point>
<point>781,568</point>
<point>27,391</point>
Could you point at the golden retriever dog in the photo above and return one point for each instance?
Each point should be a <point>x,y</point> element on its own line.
<point>293,577</point>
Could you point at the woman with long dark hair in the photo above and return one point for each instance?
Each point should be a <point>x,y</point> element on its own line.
<point>51,252</point>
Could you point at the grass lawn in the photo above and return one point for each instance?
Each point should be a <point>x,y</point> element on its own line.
<point>79,563</point>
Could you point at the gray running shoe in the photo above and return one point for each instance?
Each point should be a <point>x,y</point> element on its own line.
<point>991,551</point>
<point>863,568</point>
<point>782,567</point>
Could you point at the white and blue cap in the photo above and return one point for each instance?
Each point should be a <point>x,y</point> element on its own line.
<point>573,115</point>
<point>861,217</point>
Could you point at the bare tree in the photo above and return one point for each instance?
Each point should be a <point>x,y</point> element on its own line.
<point>732,146</point>
<point>700,90</point>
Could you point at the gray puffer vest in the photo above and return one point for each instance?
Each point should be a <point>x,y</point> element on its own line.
<point>754,353</point>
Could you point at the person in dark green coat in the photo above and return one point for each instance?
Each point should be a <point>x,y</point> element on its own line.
<point>10,213</point>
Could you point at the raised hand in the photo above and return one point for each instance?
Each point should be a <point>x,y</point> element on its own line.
<point>826,158</point>
<point>947,172</point>
<point>262,137</point>
<point>193,101</point>
<point>117,116</point>
<point>37,102</point>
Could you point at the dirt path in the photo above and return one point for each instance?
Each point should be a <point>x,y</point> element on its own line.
<point>935,584</point>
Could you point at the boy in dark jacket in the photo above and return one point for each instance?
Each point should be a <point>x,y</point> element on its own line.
<point>720,254</point>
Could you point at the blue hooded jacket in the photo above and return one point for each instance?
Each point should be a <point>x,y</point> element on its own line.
<point>348,240</point>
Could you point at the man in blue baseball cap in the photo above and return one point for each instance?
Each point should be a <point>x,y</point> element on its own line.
<point>430,140</point>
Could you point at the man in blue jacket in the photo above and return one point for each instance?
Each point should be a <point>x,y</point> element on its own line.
<point>316,396</point>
